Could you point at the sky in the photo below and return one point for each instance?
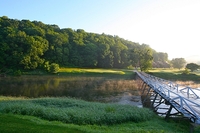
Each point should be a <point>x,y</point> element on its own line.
<point>170,26</point>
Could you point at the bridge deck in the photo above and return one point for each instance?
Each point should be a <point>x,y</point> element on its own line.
<point>185,100</point>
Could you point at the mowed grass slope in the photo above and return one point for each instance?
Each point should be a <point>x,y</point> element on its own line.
<point>84,70</point>
<point>110,73</point>
<point>176,74</point>
<point>27,124</point>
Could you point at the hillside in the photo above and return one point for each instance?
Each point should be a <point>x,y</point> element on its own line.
<point>34,45</point>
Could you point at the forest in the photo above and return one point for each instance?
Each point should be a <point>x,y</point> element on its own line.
<point>30,45</point>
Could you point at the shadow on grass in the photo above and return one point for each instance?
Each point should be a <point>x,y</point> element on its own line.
<point>28,124</point>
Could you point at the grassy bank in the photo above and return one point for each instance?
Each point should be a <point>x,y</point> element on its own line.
<point>55,115</point>
<point>176,74</point>
<point>74,111</point>
<point>28,124</point>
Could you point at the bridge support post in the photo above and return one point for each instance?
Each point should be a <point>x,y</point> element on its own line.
<point>154,100</point>
<point>147,94</point>
<point>143,87</point>
<point>168,112</point>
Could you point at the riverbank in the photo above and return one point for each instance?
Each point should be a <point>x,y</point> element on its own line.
<point>12,119</point>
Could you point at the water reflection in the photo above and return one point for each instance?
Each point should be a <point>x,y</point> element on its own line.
<point>87,88</point>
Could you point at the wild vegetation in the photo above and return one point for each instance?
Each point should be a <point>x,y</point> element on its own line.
<point>33,49</point>
<point>30,45</point>
<point>87,84</point>
<point>103,118</point>
<point>69,110</point>
<point>55,114</point>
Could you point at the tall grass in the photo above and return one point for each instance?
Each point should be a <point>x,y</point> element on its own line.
<point>69,110</point>
<point>91,88</point>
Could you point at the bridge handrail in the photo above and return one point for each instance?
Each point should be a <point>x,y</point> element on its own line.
<point>188,90</point>
<point>171,85</point>
<point>166,93</point>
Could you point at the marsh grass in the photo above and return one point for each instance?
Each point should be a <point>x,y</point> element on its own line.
<point>74,111</point>
<point>87,87</point>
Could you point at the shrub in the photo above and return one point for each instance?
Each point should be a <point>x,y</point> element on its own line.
<point>186,71</point>
<point>54,68</point>
<point>17,73</point>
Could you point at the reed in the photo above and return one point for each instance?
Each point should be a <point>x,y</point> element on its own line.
<point>75,111</point>
<point>81,86</point>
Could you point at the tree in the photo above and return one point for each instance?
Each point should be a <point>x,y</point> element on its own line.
<point>105,55</point>
<point>141,56</point>
<point>36,46</point>
<point>178,62</point>
<point>26,44</point>
<point>88,55</point>
<point>192,66</point>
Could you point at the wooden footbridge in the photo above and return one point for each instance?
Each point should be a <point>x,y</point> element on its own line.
<point>170,99</point>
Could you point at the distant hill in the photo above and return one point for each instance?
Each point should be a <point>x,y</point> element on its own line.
<point>30,45</point>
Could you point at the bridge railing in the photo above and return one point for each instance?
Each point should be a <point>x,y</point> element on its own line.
<point>171,85</point>
<point>166,89</point>
<point>188,90</point>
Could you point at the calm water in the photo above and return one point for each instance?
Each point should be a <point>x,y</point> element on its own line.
<point>87,88</point>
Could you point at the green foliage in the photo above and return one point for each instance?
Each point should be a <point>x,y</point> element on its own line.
<point>178,62</point>
<point>141,56</point>
<point>54,68</point>
<point>17,73</point>
<point>76,111</point>
<point>110,109</point>
<point>31,44</point>
<point>46,66</point>
<point>160,56</point>
<point>186,71</point>
<point>160,60</point>
<point>192,66</point>
<point>24,123</point>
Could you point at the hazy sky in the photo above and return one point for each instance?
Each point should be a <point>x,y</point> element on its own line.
<point>171,26</point>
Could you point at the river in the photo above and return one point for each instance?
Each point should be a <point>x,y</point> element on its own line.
<point>101,89</point>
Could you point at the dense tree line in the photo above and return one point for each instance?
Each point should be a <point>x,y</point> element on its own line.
<point>33,45</point>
